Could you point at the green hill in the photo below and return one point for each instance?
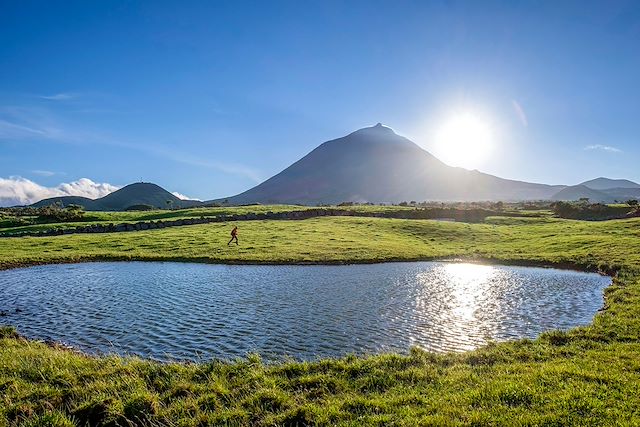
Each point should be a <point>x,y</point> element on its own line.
<point>139,193</point>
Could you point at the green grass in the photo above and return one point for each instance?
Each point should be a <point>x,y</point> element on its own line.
<point>34,224</point>
<point>588,376</point>
<point>154,215</point>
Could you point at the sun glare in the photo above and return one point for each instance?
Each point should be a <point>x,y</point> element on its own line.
<point>464,140</point>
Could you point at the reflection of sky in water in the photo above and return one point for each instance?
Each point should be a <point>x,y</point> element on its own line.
<point>201,311</point>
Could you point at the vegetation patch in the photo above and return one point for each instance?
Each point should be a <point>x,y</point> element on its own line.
<point>585,376</point>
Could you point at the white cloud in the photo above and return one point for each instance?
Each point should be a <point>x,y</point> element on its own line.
<point>29,123</point>
<point>16,190</point>
<point>603,148</point>
<point>42,124</point>
<point>64,96</point>
<point>9,130</point>
<point>520,113</point>
<point>230,168</point>
<point>183,197</point>
<point>42,172</point>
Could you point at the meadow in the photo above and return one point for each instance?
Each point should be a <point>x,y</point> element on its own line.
<point>587,376</point>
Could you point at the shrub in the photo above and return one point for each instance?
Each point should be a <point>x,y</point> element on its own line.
<point>57,213</point>
<point>139,208</point>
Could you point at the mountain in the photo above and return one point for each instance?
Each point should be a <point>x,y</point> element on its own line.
<point>610,184</point>
<point>581,191</point>
<point>601,190</point>
<point>376,165</point>
<point>140,193</point>
<point>624,194</point>
<point>87,203</point>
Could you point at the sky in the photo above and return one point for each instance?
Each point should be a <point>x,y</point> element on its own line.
<point>209,98</point>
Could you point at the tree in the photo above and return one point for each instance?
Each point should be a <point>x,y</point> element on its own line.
<point>632,202</point>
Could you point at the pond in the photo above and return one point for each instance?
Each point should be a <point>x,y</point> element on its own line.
<point>167,311</point>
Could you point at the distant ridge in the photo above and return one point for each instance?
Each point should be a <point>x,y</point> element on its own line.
<point>601,190</point>
<point>609,184</point>
<point>578,192</point>
<point>140,193</point>
<point>376,165</point>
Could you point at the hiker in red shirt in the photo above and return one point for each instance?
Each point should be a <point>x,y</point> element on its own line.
<point>234,235</point>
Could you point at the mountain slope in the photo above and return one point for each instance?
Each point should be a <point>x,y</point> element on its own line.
<point>140,193</point>
<point>624,194</point>
<point>609,184</point>
<point>376,165</point>
<point>88,204</point>
<point>578,192</point>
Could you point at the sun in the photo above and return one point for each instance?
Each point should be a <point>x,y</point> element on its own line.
<point>464,140</point>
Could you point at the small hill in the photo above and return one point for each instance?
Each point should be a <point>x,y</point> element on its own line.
<point>624,194</point>
<point>64,201</point>
<point>578,192</point>
<point>609,184</point>
<point>140,193</point>
<point>376,165</point>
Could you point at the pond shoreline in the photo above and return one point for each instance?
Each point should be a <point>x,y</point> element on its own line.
<point>514,262</point>
<point>288,280</point>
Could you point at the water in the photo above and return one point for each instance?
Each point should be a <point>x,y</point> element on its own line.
<point>199,311</point>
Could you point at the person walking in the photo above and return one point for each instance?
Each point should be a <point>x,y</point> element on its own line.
<point>234,236</point>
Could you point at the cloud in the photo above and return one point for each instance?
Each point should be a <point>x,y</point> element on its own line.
<point>520,113</point>
<point>29,123</point>
<point>230,168</point>
<point>9,130</point>
<point>16,190</point>
<point>42,172</point>
<point>183,197</point>
<point>41,124</point>
<point>64,96</point>
<point>603,148</point>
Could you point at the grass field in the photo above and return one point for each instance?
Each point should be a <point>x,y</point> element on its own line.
<point>94,217</point>
<point>33,223</point>
<point>588,376</point>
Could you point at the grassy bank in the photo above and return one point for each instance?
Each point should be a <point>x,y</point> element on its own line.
<point>589,376</point>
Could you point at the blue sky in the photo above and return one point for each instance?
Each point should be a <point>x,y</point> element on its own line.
<point>209,98</point>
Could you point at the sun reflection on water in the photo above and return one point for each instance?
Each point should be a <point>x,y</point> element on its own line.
<point>468,289</point>
<point>470,283</point>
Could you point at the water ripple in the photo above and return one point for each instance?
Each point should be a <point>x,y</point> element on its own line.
<point>197,311</point>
